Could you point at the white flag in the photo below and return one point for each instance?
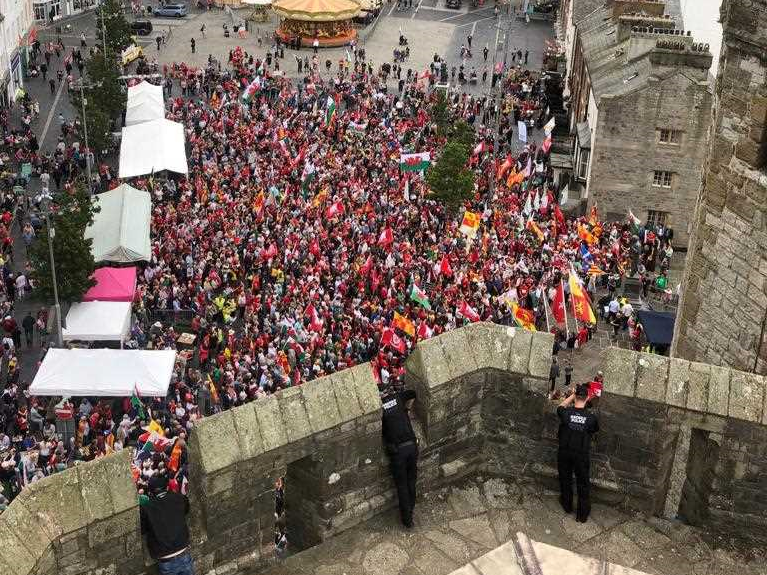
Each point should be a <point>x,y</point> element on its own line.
<point>522,127</point>
<point>407,190</point>
<point>549,127</point>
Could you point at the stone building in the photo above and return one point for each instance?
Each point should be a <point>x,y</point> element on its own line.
<point>723,309</point>
<point>640,102</point>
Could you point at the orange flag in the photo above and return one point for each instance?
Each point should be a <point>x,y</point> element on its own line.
<point>581,303</point>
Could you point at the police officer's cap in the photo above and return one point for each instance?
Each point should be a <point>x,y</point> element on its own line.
<point>582,390</point>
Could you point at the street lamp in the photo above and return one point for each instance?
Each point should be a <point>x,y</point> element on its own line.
<point>83,103</point>
<point>51,234</point>
<point>494,94</point>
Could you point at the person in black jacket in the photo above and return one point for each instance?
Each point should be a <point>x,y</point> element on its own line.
<point>576,426</point>
<point>402,447</point>
<point>163,521</point>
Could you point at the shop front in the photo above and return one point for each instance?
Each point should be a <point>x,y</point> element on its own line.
<point>47,11</point>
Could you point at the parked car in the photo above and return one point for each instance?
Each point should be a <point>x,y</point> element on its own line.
<point>455,4</point>
<point>142,27</point>
<point>173,10</point>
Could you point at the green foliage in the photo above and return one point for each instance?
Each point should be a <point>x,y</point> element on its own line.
<point>463,134</point>
<point>104,91</point>
<point>440,113</point>
<point>70,215</point>
<point>449,179</point>
<point>117,27</point>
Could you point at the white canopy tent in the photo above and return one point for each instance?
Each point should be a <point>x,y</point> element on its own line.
<point>120,230</point>
<point>98,321</point>
<point>152,147</point>
<point>145,103</point>
<point>104,373</point>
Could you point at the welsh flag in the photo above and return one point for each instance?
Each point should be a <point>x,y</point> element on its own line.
<point>424,331</point>
<point>386,237</point>
<point>418,295</point>
<point>252,89</point>
<point>330,110</point>
<point>365,268</point>
<point>468,312</point>
<point>634,221</point>
<point>414,162</point>
<point>315,323</point>
<point>388,337</point>
<point>470,223</point>
<point>481,147</point>
<point>334,209</point>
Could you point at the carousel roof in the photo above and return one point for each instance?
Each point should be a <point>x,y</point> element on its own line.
<point>317,10</point>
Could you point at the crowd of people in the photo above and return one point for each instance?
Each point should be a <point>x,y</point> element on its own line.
<point>298,246</point>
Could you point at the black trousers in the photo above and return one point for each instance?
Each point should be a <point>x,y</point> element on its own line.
<point>578,463</point>
<point>404,470</point>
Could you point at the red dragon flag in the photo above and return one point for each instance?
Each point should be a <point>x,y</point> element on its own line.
<point>388,337</point>
<point>468,312</point>
<point>386,237</point>
<point>558,305</point>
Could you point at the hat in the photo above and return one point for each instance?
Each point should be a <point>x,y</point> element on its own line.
<point>158,484</point>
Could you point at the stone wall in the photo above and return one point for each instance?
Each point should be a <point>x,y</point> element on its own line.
<point>676,436</point>
<point>723,309</point>
<point>626,149</point>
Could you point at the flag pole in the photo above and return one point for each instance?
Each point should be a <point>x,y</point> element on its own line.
<point>564,307</point>
<point>546,311</point>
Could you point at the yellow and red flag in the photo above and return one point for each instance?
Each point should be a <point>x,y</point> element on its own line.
<point>594,216</point>
<point>581,302</point>
<point>524,317</point>
<point>403,323</point>
<point>586,235</point>
<point>533,227</point>
<point>470,223</point>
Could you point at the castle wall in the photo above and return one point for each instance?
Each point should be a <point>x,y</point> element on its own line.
<point>676,436</point>
<point>723,309</point>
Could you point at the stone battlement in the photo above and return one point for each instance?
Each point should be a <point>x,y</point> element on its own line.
<point>677,437</point>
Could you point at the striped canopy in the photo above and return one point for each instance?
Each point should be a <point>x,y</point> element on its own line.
<point>317,10</point>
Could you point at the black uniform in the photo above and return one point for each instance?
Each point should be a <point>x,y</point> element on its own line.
<point>400,443</point>
<point>576,425</point>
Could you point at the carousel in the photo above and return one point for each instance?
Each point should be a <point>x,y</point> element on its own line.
<point>329,21</point>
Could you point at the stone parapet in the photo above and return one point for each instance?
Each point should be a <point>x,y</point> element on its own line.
<point>676,437</point>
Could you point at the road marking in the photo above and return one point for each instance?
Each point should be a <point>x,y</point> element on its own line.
<point>464,14</point>
<point>473,28</point>
<point>50,114</point>
<point>391,9</point>
<point>472,23</point>
<point>416,10</point>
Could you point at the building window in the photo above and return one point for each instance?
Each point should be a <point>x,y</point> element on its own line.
<point>655,219</point>
<point>583,163</point>
<point>662,179</point>
<point>668,136</point>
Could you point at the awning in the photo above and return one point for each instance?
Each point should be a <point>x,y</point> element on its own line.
<point>104,373</point>
<point>658,326</point>
<point>152,147</point>
<point>113,284</point>
<point>120,230</point>
<point>98,321</point>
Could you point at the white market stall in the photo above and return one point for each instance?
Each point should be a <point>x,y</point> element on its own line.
<point>104,373</point>
<point>152,147</point>
<point>98,321</point>
<point>120,230</point>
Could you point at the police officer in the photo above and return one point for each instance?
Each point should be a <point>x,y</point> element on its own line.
<point>402,448</point>
<point>576,426</point>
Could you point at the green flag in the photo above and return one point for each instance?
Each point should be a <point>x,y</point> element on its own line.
<point>330,110</point>
<point>418,295</point>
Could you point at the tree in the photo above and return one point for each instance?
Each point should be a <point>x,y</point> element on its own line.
<point>70,216</point>
<point>449,179</point>
<point>104,89</point>
<point>117,27</point>
<point>440,113</point>
<point>462,133</point>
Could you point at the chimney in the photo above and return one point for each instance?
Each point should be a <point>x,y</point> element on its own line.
<point>629,22</point>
